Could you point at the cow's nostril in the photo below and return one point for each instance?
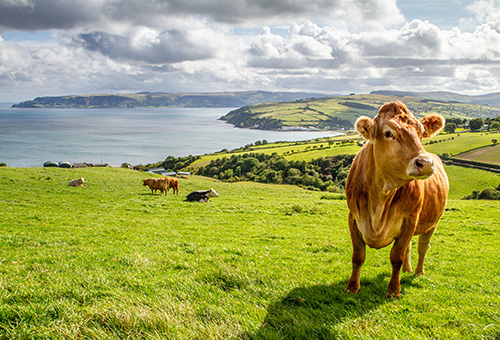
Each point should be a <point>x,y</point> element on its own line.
<point>418,164</point>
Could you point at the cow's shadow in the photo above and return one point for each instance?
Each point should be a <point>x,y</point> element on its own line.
<point>315,312</point>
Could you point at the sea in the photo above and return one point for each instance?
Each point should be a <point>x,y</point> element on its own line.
<point>31,137</point>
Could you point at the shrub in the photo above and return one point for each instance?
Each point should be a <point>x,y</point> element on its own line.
<point>489,194</point>
<point>486,194</point>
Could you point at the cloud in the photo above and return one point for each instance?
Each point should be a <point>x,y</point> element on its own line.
<point>486,11</point>
<point>147,45</point>
<point>66,14</point>
<point>332,46</point>
<point>47,14</point>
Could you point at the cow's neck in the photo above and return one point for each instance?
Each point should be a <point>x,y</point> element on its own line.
<point>380,191</point>
<point>381,187</point>
<point>379,181</point>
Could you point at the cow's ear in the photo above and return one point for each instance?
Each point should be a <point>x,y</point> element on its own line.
<point>365,126</point>
<point>432,123</point>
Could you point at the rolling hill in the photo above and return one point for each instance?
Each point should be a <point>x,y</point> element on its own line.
<point>492,99</point>
<point>341,112</point>
<point>158,99</point>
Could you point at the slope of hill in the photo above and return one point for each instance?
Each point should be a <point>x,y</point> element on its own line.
<point>150,99</point>
<point>492,99</point>
<point>112,261</point>
<point>341,112</point>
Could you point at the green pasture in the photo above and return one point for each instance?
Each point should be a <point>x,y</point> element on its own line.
<point>109,260</point>
<point>456,143</point>
<point>453,144</point>
<point>488,155</point>
<point>303,150</point>
<point>312,111</point>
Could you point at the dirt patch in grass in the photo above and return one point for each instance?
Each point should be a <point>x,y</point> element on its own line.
<point>490,154</point>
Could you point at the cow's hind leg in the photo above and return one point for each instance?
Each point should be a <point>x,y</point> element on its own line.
<point>407,260</point>
<point>423,245</point>
<point>358,256</point>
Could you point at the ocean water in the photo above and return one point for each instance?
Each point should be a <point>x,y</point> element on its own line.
<point>30,137</point>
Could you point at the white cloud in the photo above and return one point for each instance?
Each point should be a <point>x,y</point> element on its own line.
<point>334,46</point>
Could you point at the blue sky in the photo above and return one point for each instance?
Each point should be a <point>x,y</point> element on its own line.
<point>445,14</point>
<point>58,47</point>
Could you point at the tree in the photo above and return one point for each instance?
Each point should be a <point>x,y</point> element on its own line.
<point>293,176</point>
<point>249,164</point>
<point>476,124</point>
<point>495,126</point>
<point>456,121</point>
<point>450,127</point>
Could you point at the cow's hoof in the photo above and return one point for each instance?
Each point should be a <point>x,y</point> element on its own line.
<point>407,270</point>
<point>394,294</point>
<point>352,290</point>
<point>419,272</point>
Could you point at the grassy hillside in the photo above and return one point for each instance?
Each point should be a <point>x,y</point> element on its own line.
<point>158,99</point>
<point>110,260</point>
<point>342,112</point>
<point>492,99</point>
<point>452,144</point>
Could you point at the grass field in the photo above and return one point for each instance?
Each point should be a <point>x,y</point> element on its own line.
<point>319,112</point>
<point>452,144</point>
<point>111,261</point>
<point>489,155</point>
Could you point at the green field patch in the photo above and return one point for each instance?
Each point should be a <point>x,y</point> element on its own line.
<point>111,260</point>
<point>342,112</point>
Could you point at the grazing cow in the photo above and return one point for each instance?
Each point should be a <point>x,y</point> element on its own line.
<point>174,184</point>
<point>156,184</point>
<point>201,195</point>
<point>76,182</point>
<point>395,189</point>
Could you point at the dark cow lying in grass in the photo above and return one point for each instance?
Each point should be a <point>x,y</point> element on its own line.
<point>201,195</point>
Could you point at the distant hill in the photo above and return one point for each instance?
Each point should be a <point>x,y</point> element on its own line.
<point>157,99</point>
<point>491,99</point>
<point>341,112</point>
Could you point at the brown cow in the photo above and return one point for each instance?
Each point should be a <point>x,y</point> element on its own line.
<point>174,184</point>
<point>156,184</point>
<point>76,182</point>
<point>395,189</point>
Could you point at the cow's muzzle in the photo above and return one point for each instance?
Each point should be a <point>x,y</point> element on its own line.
<point>420,167</point>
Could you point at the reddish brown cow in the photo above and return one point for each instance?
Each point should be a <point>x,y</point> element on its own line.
<point>174,184</point>
<point>395,189</point>
<point>156,184</point>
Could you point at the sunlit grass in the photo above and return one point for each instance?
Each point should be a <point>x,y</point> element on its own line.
<point>110,260</point>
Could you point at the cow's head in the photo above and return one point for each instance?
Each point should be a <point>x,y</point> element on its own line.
<point>396,136</point>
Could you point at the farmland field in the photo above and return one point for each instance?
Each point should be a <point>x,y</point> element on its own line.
<point>490,154</point>
<point>452,144</point>
<point>110,260</point>
<point>344,110</point>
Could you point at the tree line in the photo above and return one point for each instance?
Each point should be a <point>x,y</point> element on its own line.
<point>325,174</point>
<point>474,124</point>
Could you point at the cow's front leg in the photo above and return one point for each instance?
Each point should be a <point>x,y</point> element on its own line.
<point>398,254</point>
<point>358,256</point>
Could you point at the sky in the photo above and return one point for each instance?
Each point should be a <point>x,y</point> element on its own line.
<point>63,47</point>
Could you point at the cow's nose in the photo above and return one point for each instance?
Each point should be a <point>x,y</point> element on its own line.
<point>420,167</point>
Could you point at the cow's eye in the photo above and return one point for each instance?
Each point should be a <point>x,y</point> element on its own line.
<point>389,135</point>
